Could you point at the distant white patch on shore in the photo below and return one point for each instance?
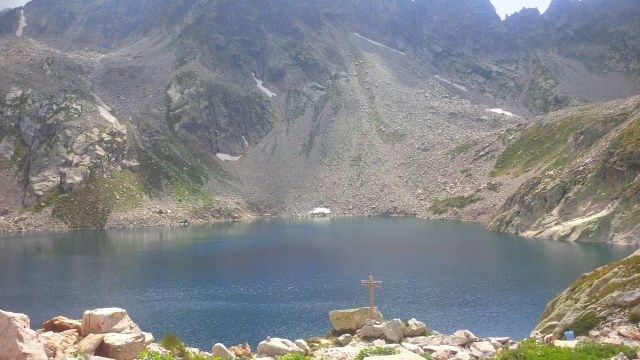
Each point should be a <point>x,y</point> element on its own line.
<point>379,44</point>
<point>227,157</point>
<point>246,143</point>
<point>457,86</point>
<point>22,25</point>
<point>320,211</point>
<point>105,112</point>
<point>265,90</point>
<point>500,111</point>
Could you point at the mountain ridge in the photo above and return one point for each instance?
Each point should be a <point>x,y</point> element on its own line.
<point>233,108</point>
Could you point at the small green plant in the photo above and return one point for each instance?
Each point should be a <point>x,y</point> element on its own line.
<point>375,351</point>
<point>173,343</point>
<point>634,317</point>
<point>152,355</point>
<point>427,356</point>
<point>531,349</point>
<point>293,357</point>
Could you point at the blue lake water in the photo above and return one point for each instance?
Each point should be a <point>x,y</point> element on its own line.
<point>237,282</point>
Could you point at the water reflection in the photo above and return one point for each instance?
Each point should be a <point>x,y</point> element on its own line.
<point>242,281</point>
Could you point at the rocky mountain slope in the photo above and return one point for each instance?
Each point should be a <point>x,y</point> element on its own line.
<point>162,111</point>
<point>597,303</point>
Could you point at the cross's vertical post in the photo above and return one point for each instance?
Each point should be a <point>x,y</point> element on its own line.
<point>372,284</point>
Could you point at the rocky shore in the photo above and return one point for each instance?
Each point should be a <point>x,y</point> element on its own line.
<point>110,333</point>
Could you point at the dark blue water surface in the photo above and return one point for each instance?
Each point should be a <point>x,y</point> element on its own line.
<point>243,281</point>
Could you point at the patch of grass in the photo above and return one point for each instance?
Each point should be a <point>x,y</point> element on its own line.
<point>152,355</point>
<point>293,357</point>
<point>634,317</point>
<point>443,206</point>
<point>426,356</point>
<point>555,142</point>
<point>375,351</point>
<point>91,206</point>
<point>494,186</point>
<point>530,349</point>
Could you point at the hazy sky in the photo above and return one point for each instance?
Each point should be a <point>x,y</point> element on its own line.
<point>508,7</point>
<point>503,7</point>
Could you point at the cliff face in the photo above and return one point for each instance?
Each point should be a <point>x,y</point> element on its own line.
<point>219,102</point>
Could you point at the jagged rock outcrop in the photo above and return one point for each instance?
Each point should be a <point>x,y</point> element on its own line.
<point>351,319</point>
<point>599,301</point>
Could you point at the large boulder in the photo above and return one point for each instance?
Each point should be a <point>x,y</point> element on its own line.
<point>626,299</point>
<point>483,350</point>
<point>17,340</point>
<point>108,320</point>
<point>121,346</point>
<point>89,344</point>
<point>371,331</point>
<point>273,347</point>
<point>242,350</point>
<point>394,330</point>
<point>351,319</point>
<point>61,323</point>
<point>221,351</point>
<point>414,327</point>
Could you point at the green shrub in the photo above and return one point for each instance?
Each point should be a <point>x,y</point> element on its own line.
<point>427,356</point>
<point>582,325</point>
<point>173,343</point>
<point>634,317</point>
<point>293,357</point>
<point>531,349</point>
<point>376,351</point>
<point>152,355</point>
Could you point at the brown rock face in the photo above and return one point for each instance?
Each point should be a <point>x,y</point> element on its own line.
<point>59,342</point>
<point>17,340</point>
<point>243,350</point>
<point>60,324</point>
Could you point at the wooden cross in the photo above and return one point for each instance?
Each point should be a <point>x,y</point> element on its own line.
<point>372,284</point>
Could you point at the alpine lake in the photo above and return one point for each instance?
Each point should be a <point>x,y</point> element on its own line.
<point>243,281</point>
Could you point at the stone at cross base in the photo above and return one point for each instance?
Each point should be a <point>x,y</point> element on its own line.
<point>350,320</point>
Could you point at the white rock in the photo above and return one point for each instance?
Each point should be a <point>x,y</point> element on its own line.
<point>121,346</point>
<point>17,340</point>
<point>303,346</point>
<point>345,339</point>
<point>219,350</point>
<point>415,328</point>
<point>108,320</point>
<point>351,319</point>
<point>483,349</point>
<point>394,330</point>
<point>374,331</point>
<point>277,347</point>
<point>412,347</point>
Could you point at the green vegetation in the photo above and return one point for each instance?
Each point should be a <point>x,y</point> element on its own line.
<point>582,325</point>
<point>531,349</point>
<point>553,143</point>
<point>427,356</point>
<point>634,317</point>
<point>91,206</point>
<point>626,279</point>
<point>152,355</point>
<point>494,186</point>
<point>376,351</point>
<point>293,357</point>
<point>172,343</point>
<point>443,206</point>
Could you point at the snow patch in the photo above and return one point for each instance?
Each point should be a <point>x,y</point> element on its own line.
<point>457,86</point>
<point>265,90</point>
<point>246,143</point>
<point>500,111</point>
<point>22,25</point>
<point>174,93</point>
<point>320,211</point>
<point>379,44</point>
<point>227,157</point>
